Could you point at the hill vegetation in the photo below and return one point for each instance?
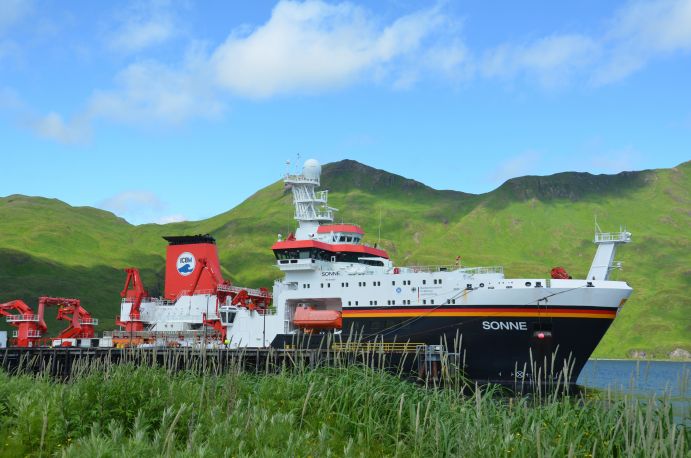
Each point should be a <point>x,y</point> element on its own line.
<point>528,224</point>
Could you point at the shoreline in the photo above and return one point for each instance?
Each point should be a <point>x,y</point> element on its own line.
<point>651,360</point>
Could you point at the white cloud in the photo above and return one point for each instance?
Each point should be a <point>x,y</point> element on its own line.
<point>140,207</point>
<point>132,202</point>
<point>552,60</point>
<point>13,11</point>
<point>313,46</point>
<point>638,32</point>
<point>516,166</point>
<point>663,25</point>
<point>150,92</point>
<point>303,47</point>
<point>641,31</point>
<point>143,25</point>
<point>53,127</point>
<point>177,218</point>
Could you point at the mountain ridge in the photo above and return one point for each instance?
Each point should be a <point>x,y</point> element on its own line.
<point>331,171</point>
<point>528,224</point>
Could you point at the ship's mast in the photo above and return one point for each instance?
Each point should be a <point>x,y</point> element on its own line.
<point>311,207</point>
<point>607,243</point>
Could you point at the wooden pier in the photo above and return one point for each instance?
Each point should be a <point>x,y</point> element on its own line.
<point>64,362</point>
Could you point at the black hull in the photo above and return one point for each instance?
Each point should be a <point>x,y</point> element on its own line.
<point>501,355</point>
<point>491,349</point>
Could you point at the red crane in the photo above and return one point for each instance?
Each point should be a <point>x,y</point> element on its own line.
<point>134,292</point>
<point>252,299</point>
<point>81,323</point>
<point>30,326</point>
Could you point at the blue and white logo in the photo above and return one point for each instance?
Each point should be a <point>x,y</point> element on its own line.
<point>186,264</point>
<point>398,290</point>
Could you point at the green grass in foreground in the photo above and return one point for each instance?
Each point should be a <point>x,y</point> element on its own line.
<point>143,411</point>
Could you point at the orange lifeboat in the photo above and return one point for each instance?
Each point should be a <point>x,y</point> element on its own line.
<point>310,319</point>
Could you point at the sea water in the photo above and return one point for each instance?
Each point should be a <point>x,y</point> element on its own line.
<point>644,379</point>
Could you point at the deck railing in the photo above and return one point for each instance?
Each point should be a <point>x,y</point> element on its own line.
<point>453,268</point>
<point>22,317</point>
<point>601,237</point>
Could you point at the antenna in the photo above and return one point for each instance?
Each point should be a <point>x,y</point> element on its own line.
<point>597,226</point>
<point>379,240</point>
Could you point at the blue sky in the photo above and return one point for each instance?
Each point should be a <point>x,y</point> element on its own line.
<point>162,111</point>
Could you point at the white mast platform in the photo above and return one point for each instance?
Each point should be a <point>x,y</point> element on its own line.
<point>606,243</point>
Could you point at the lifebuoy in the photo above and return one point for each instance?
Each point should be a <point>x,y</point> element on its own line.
<point>396,270</point>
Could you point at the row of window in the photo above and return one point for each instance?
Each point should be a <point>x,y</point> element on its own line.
<point>324,255</point>
<point>347,238</point>
<point>374,283</point>
<point>404,302</point>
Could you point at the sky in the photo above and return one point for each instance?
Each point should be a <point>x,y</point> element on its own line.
<point>165,111</point>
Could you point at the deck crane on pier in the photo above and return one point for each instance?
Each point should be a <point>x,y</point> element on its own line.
<point>81,323</point>
<point>30,326</point>
<point>133,292</point>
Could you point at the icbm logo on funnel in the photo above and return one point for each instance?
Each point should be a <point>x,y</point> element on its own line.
<point>186,263</point>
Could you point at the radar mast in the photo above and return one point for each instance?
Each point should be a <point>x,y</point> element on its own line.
<point>311,207</point>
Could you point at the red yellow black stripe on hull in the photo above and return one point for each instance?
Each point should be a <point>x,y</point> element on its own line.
<point>566,312</point>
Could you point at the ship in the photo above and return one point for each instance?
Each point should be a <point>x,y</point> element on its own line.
<point>338,290</point>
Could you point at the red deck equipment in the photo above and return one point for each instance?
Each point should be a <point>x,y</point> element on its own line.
<point>559,273</point>
<point>81,323</point>
<point>309,319</point>
<point>134,292</point>
<point>192,267</point>
<point>30,326</point>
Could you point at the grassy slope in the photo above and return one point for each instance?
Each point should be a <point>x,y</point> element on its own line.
<point>529,224</point>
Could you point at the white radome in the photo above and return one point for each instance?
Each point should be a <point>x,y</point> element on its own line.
<point>312,169</point>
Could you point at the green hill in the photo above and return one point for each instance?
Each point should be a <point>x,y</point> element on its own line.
<point>528,224</point>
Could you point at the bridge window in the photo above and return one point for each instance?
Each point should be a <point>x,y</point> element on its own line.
<point>227,317</point>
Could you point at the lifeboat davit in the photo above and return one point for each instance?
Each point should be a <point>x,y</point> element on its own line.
<point>309,318</point>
